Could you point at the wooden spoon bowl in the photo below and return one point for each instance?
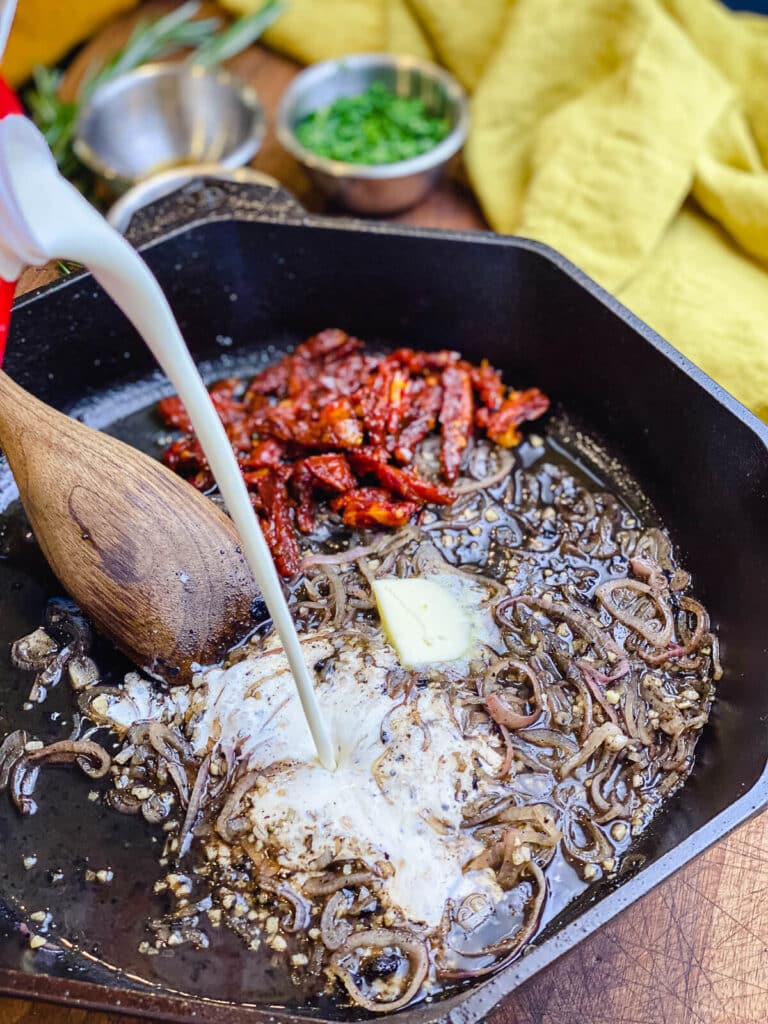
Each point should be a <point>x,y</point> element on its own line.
<point>154,564</point>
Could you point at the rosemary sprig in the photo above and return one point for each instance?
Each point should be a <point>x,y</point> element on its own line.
<point>237,36</point>
<point>151,40</point>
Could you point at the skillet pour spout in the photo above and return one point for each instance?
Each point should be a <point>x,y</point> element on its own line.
<point>152,562</point>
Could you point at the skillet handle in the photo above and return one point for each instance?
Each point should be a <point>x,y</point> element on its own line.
<point>209,199</point>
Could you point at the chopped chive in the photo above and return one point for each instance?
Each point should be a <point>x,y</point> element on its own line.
<point>375,127</point>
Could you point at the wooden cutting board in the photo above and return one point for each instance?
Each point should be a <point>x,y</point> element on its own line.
<point>693,952</point>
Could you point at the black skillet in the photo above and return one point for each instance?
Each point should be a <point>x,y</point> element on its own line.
<point>244,268</point>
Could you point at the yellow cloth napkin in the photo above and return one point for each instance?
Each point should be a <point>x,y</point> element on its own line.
<point>632,135</point>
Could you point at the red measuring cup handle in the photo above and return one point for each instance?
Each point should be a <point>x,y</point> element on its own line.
<point>8,105</point>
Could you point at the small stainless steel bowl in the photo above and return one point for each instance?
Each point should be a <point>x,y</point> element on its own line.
<point>167,115</point>
<point>378,188</point>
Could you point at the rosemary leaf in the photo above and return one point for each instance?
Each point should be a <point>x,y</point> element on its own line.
<point>239,35</point>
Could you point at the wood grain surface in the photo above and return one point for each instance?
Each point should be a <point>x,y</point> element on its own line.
<point>695,951</point>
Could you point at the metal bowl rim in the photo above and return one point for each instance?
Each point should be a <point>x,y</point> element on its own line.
<point>245,93</point>
<point>432,158</point>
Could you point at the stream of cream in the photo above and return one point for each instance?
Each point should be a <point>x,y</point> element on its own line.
<point>46,217</point>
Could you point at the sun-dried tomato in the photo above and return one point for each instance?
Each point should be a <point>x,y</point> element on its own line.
<point>331,471</point>
<point>277,422</point>
<point>339,424</point>
<point>455,419</point>
<point>303,487</point>
<point>384,404</point>
<point>343,376</point>
<point>173,413</point>
<point>368,507</point>
<point>517,408</point>
<point>418,362</point>
<point>185,456</point>
<point>336,426</point>
<point>229,408</point>
<point>371,452</point>
<point>319,360</point>
<point>300,423</point>
<point>241,435</point>
<point>425,399</point>
<point>277,519</point>
<point>272,380</point>
<point>331,341</point>
<point>397,404</point>
<point>262,454</point>
<point>404,482</point>
<point>203,480</point>
<point>372,400</point>
<point>254,478</point>
<point>301,378</point>
<point>487,383</point>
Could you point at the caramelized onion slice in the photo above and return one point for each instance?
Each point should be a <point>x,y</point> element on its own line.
<point>581,621</point>
<point>599,848</point>
<point>597,681</point>
<point>195,805</point>
<point>21,783</point>
<point>302,909</point>
<point>233,820</point>
<point>33,652</point>
<point>334,930</point>
<point>22,778</point>
<point>168,745</point>
<point>506,462</point>
<point>340,557</point>
<point>607,733</point>
<point>656,633</point>
<point>509,948</point>
<point>380,939</point>
<point>11,751</point>
<point>333,881</point>
<point>533,825</point>
<point>87,755</point>
<point>499,708</point>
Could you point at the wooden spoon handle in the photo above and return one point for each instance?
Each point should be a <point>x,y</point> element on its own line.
<point>155,564</point>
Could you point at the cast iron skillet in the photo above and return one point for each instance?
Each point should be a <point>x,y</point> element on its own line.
<point>244,267</point>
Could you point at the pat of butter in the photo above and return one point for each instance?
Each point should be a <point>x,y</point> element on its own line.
<point>423,621</point>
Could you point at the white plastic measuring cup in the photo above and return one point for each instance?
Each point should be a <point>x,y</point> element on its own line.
<point>42,216</point>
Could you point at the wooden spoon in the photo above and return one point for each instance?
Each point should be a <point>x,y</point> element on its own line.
<point>152,562</point>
